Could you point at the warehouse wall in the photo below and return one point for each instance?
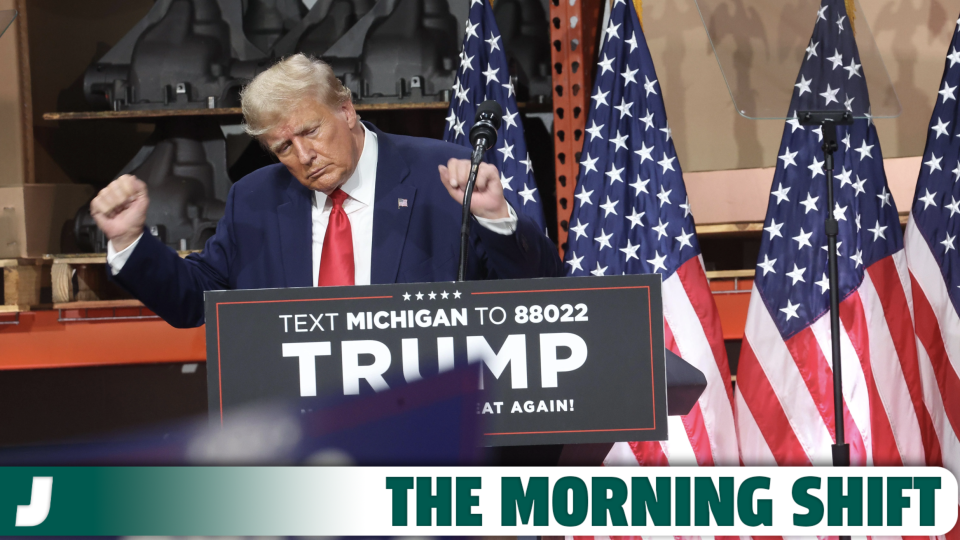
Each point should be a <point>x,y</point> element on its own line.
<point>33,218</point>
<point>65,38</point>
<point>913,37</point>
<point>13,107</point>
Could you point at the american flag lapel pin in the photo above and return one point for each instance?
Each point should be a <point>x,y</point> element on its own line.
<point>401,203</point>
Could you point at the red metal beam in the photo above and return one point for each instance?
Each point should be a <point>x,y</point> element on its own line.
<point>573,35</point>
<point>41,341</point>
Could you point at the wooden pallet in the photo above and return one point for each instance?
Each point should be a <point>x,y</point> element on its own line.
<point>24,281</point>
<point>80,282</point>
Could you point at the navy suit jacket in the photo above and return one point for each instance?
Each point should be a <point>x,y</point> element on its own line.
<point>265,237</point>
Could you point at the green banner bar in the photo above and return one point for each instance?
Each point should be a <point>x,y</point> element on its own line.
<point>469,501</point>
<point>168,500</point>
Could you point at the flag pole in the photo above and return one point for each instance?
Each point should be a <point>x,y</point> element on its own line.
<point>829,120</point>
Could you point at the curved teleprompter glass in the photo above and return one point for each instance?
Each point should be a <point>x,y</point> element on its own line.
<point>761,45</point>
<point>6,18</point>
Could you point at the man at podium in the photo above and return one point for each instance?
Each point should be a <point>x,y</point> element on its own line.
<point>347,205</point>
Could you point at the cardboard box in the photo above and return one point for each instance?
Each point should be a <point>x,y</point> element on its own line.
<point>34,217</point>
<point>16,122</point>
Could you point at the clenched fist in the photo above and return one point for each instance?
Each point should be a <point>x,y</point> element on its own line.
<point>120,210</point>
<point>487,201</point>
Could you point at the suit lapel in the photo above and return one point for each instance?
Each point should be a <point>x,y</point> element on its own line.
<point>390,216</point>
<point>296,235</point>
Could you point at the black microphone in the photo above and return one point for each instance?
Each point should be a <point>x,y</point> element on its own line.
<point>485,126</point>
<point>483,136</point>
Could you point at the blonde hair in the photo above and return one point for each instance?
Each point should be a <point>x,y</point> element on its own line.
<point>271,95</point>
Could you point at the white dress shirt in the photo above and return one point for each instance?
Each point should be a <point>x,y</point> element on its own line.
<point>361,191</point>
<point>361,188</point>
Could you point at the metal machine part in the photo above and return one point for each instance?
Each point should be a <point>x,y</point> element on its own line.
<point>266,21</point>
<point>388,51</point>
<point>200,53</point>
<point>183,54</point>
<point>525,30</point>
<point>411,54</point>
<point>322,26</point>
<point>185,168</point>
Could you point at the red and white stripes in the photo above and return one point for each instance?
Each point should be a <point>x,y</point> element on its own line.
<point>707,435</point>
<point>900,353</point>
<point>938,346</point>
<point>893,378</point>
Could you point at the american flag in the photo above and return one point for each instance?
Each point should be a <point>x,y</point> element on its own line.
<point>631,215</point>
<point>484,74</point>
<point>931,245</point>
<point>784,396</point>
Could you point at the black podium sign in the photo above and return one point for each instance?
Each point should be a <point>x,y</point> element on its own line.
<point>561,360</point>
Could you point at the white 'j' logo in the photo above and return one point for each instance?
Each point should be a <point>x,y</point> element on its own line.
<point>39,508</point>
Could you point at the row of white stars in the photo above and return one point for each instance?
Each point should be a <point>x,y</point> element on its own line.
<point>635,219</point>
<point>657,261</point>
<point>810,203</point>
<point>620,141</point>
<point>782,194</point>
<point>839,213</point>
<point>493,42</point>
<point>829,96</point>
<point>466,64</point>
<point>641,187</point>
<point>822,17</point>
<point>928,201</point>
<point>837,60</point>
<point>803,239</point>
<point>934,164</point>
<point>432,295</point>
<point>816,166</point>
<point>594,129</point>
<point>625,108</point>
<point>797,273</point>
<point>629,76</point>
<point>616,174</point>
<point>603,240</point>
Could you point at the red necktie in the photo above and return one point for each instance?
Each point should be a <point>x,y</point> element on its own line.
<point>336,260</point>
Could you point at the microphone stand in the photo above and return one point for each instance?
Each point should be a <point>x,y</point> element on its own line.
<point>483,136</point>
<point>475,160</point>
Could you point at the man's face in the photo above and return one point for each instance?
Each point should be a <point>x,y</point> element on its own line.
<point>319,146</point>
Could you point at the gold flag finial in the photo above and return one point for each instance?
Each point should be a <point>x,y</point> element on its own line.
<point>851,13</point>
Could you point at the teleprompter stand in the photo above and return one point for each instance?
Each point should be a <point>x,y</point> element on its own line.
<point>765,87</point>
<point>828,121</point>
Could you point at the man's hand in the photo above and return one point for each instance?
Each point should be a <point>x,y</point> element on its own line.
<point>120,210</point>
<point>487,201</point>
